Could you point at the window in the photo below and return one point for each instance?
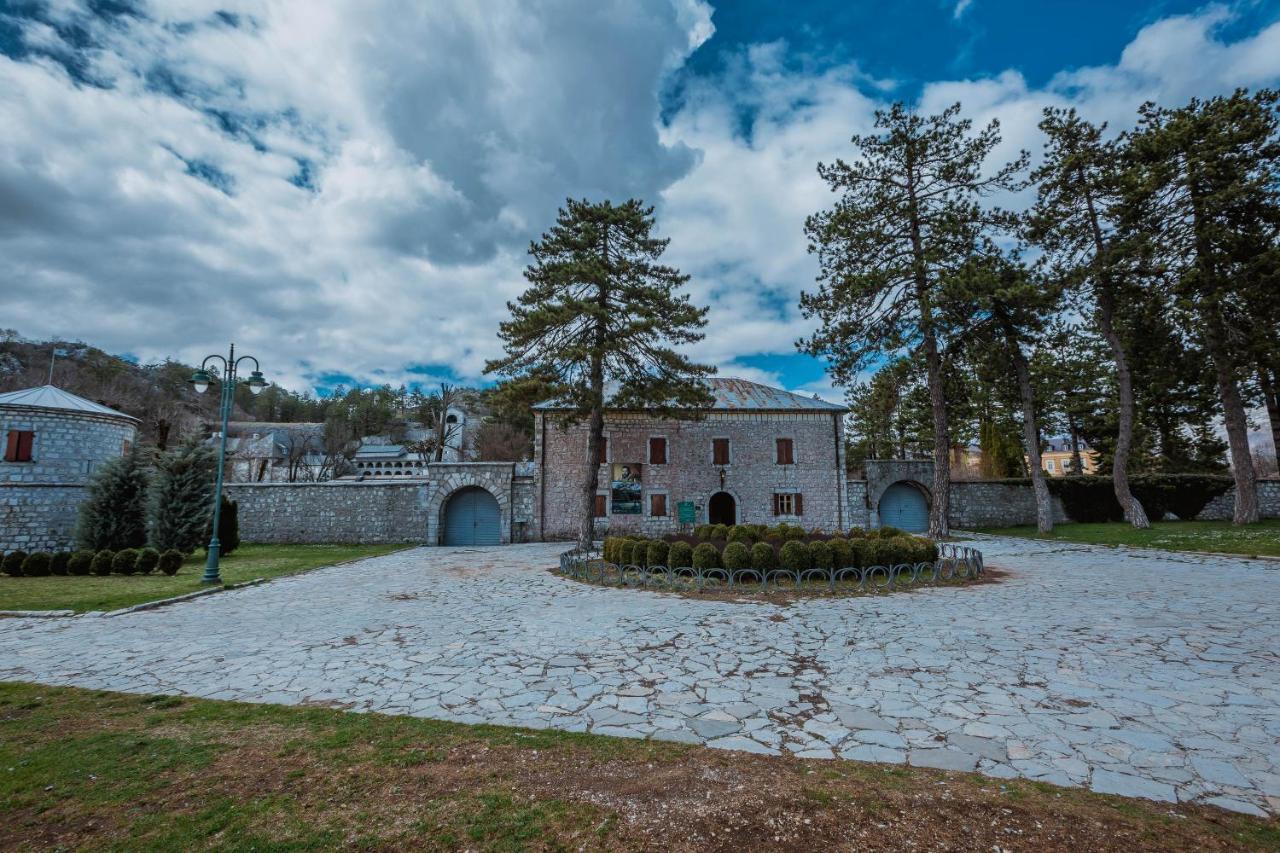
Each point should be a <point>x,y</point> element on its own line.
<point>658,451</point>
<point>658,505</point>
<point>719,451</point>
<point>1048,465</point>
<point>786,452</point>
<point>603,456</point>
<point>18,447</point>
<point>788,503</point>
<point>602,506</point>
<point>126,447</point>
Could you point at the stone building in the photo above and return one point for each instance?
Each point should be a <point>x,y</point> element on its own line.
<point>758,455</point>
<point>53,442</point>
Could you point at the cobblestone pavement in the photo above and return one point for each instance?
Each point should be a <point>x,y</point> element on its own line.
<point>1129,672</point>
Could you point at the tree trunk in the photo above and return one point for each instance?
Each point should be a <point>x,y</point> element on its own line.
<point>1233,415</point>
<point>595,421</point>
<point>1077,463</point>
<point>1031,436</point>
<point>1269,381</point>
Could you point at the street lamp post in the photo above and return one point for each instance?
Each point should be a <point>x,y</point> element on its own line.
<point>200,380</point>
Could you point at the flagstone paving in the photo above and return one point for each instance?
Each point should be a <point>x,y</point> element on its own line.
<point>1131,672</point>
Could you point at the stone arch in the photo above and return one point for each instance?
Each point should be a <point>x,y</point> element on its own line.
<point>455,482</point>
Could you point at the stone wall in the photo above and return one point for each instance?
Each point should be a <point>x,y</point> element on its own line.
<point>67,445</point>
<point>336,511</point>
<point>1222,507</point>
<point>859,514</point>
<point>751,477</point>
<point>975,503</point>
<point>39,516</point>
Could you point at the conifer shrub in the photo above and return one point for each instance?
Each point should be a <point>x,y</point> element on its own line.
<point>841,552</point>
<point>228,527</point>
<point>736,556</point>
<point>680,555</point>
<point>36,565</point>
<point>181,498</point>
<point>820,555</point>
<point>125,561</point>
<point>706,556</point>
<point>794,556</point>
<point>656,552</point>
<point>58,563</point>
<point>148,559</point>
<point>114,515</point>
<point>102,561</point>
<point>80,563</point>
<point>763,557</point>
<point>171,561</point>
<point>12,564</point>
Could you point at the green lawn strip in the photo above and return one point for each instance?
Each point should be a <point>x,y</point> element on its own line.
<point>102,770</point>
<point>110,592</point>
<point>1220,537</point>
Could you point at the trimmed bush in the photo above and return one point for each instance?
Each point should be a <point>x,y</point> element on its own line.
<point>841,552</point>
<point>171,561</point>
<point>857,533</point>
<point>889,531</point>
<point>705,556</point>
<point>36,565</point>
<point>680,555</point>
<point>794,534</point>
<point>148,559</point>
<point>80,563</point>
<point>125,561</point>
<point>228,527</point>
<point>742,533</point>
<point>820,555</point>
<point>102,562</point>
<point>702,532</point>
<point>656,553</point>
<point>58,563</point>
<point>719,532</point>
<point>763,557</point>
<point>794,556</point>
<point>736,556</point>
<point>12,564</point>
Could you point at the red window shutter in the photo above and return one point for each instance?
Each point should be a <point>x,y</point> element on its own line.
<point>657,451</point>
<point>26,439</point>
<point>720,451</point>
<point>785,452</point>
<point>777,510</point>
<point>11,446</point>
<point>658,505</point>
<point>601,506</point>
<point>602,456</point>
<point>799,499</point>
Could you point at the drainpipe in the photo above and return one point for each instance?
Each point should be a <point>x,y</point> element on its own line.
<point>835,431</point>
<point>542,483</point>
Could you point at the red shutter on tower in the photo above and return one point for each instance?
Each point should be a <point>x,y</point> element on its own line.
<point>776,510</point>
<point>601,507</point>
<point>720,451</point>
<point>26,439</point>
<point>11,447</point>
<point>602,455</point>
<point>658,505</point>
<point>786,455</point>
<point>799,499</point>
<point>657,451</point>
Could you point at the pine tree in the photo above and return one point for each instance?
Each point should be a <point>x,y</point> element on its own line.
<point>1204,196</point>
<point>181,499</point>
<point>908,213</point>
<point>114,516</point>
<point>1074,222</point>
<point>601,310</point>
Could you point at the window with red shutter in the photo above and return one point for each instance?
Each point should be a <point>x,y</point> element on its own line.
<point>602,507</point>
<point>657,451</point>
<point>658,505</point>
<point>786,503</point>
<point>786,452</point>
<point>720,451</point>
<point>603,455</point>
<point>799,504</point>
<point>11,446</point>
<point>19,445</point>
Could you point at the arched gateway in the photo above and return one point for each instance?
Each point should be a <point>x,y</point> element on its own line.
<point>905,506</point>
<point>722,509</point>
<point>472,517</point>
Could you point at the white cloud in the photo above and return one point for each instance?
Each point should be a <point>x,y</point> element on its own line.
<point>961,7</point>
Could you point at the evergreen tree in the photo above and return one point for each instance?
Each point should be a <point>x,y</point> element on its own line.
<point>908,213</point>
<point>180,505</point>
<point>1073,371</point>
<point>601,309</point>
<point>1074,222</point>
<point>114,516</point>
<point>1204,197</point>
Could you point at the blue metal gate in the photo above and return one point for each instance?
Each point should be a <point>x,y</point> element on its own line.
<point>472,517</point>
<point>904,507</point>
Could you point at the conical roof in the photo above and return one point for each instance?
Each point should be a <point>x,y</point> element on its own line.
<point>52,397</point>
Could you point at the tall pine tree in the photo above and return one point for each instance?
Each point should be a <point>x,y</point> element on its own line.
<point>907,215</point>
<point>601,311</point>
<point>115,514</point>
<point>181,499</point>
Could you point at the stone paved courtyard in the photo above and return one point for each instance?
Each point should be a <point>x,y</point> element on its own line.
<point>1130,672</point>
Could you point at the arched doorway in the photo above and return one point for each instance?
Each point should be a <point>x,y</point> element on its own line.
<point>472,517</point>
<point>722,509</point>
<point>906,507</point>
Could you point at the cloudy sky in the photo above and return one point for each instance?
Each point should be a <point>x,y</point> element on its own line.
<point>348,189</point>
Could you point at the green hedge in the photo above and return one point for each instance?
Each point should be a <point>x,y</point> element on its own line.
<point>680,555</point>
<point>1093,499</point>
<point>736,556</point>
<point>36,565</point>
<point>706,556</point>
<point>763,557</point>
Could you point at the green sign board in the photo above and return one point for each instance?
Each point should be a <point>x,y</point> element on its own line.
<point>685,512</point>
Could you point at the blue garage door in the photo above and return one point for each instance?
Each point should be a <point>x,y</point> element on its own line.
<point>904,507</point>
<point>472,517</point>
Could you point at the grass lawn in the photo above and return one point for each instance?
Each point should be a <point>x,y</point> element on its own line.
<point>1221,537</point>
<point>87,769</point>
<point>113,591</point>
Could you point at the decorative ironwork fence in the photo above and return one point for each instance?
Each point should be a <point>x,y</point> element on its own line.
<point>955,562</point>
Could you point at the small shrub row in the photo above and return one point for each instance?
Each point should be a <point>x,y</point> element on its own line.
<point>129,561</point>
<point>837,552</point>
<point>777,534</point>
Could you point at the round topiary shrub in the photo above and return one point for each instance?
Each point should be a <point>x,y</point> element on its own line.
<point>607,551</point>
<point>12,564</point>
<point>102,562</point>
<point>841,552</point>
<point>680,556</point>
<point>171,561</point>
<point>763,557</point>
<point>36,565</point>
<point>820,555</point>
<point>772,534</point>
<point>702,532</point>
<point>125,561</point>
<point>736,556</point>
<point>706,556</point>
<point>888,531</point>
<point>794,556</point>
<point>80,564</point>
<point>857,533</point>
<point>148,559</point>
<point>656,553</point>
<point>794,534</point>
<point>742,533</point>
<point>58,563</point>
<point>719,532</point>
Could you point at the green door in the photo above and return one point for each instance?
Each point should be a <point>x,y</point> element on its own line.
<point>904,507</point>
<point>472,517</point>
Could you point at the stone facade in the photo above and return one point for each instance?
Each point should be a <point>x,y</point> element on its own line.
<point>975,503</point>
<point>1222,507</point>
<point>751,477</point>
<point>39,516</point>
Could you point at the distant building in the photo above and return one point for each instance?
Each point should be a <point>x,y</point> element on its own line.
<point>1056,457</point>
<point>261,452</point>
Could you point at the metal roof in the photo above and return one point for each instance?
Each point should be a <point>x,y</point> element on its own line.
<point>733,394</point>
<point>52,397</point>
<point>381,450</point>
